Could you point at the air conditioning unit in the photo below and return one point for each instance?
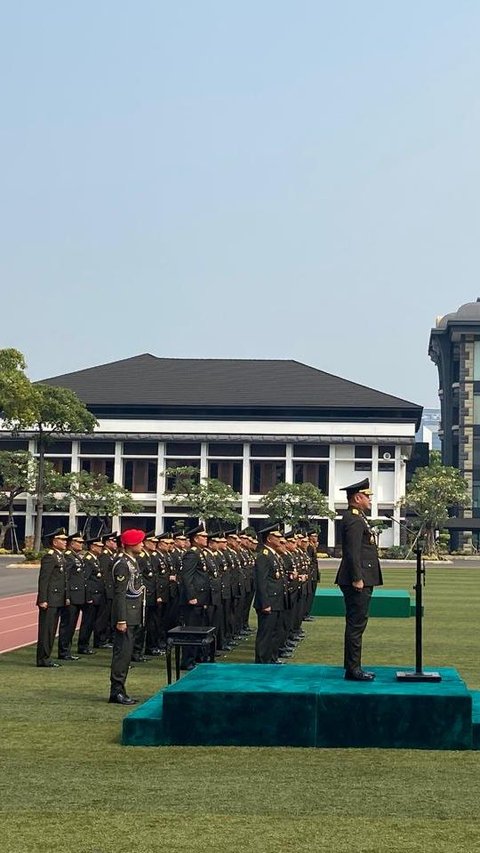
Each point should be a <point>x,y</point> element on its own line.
<point>387,455</point>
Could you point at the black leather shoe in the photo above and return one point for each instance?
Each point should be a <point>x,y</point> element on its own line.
<point>104,646</point>
<point>359,675</point>
<point>86,652</point>
<point>139,659</point>
<point>309,619</point>
<point>49,665</point>
<point>122,699</point>
<point>68,657</point>
<point>153,652</point>
<point>188,668</point>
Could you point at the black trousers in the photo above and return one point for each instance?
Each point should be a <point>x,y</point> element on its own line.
<point>196,616</point>
<point>68,622</point>
<point>121,656</point>
<point>92,617</point>
<point>47,628</point>
<point>267,636</point>
<point>357,604</point>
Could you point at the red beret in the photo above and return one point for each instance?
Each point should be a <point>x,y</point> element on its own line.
<point>132,537</point>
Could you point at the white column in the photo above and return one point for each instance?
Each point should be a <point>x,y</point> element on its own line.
<point>203,460</point>
<point>245,483</point>
<point>117,478</point>
<point>160,487</point>
<point>29,503</point>
<point>289,464</point>
<point>374,481</point>
<point>72,510</point>
<point>331,494</point>
<point>398,492</point>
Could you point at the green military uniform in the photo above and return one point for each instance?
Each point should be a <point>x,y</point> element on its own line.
<point>127,607</point>
<point>54,591</point>
<point>269,592</point>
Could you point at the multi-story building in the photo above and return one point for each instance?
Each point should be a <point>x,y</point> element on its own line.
<point>455,349</point>
<point>249,423</point>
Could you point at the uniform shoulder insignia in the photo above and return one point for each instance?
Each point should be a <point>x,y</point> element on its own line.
<point>88,556</point>
<point>355,511</point>
<point>194,548</point>
<point>50,551</point>
<point>265,551</point>
<point>68,551</point>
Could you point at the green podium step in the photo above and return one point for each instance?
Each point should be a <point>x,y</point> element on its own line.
<point>306,706</point>
<point>395,603</point>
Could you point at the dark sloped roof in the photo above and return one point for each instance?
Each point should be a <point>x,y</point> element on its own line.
<point>221,383</point>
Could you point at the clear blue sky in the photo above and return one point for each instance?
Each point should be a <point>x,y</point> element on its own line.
<point>262,178</point>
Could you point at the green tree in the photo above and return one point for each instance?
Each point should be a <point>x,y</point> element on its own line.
<point>432,490</point>
<point>296,504</point>
<point>96,497</point>
<point>47,410</point>
<point>210,499</point>
<point>18,476</point>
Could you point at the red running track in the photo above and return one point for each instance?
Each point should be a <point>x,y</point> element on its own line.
<point>18,621</point>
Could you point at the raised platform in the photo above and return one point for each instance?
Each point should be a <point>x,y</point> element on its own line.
<point>305,705</point>
<point>394,603</point>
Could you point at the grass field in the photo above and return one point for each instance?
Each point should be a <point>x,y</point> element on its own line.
<point>67,785</point>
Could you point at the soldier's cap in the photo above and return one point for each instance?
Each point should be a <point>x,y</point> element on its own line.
<point>272,528</point>
<point>151,536</point>
<point>363,486</point>
<point>215,536</point>
<point>232,532</point>
<point>95,540</point>
<point>165,537</point>
<point>200,528</point>
<point>78,537</point>
<point>59,533</point>
<point>132,537</point>
<point>290,535</point>
<point>312,531</point>
<point>107,536</point>
<point>180,535</point>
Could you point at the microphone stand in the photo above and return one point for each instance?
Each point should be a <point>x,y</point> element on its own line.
<point>418,674</point>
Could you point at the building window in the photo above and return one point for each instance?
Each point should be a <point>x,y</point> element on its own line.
<point>61,466</point>
<point>266,449</point>
<point>140,475</point>
<point>266,475</point>
<point>98,466</point>
<point>103,448</point>
<point>363,452</point>
<point>476,361</point>
<point>223,448</point>
<point>140,448</point>
<point>312,472</point>
<point>182,448</point>
<point>227,472</point>
<point>311,451</point>
<point>182,463</point>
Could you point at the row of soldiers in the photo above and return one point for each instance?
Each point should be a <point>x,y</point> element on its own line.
<point>169,579</point>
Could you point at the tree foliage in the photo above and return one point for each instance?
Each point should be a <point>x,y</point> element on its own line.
<point>18,476</point>
<point>210,499</point>
<point>45,409</point>
<point>96,497</point>
<point>296,504</point>
<point>433,490</point>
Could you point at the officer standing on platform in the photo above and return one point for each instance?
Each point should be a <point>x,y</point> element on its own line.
<point>269,599</point>
<point>358,573</point>
<point>127,613</point>
<point>53,594</point>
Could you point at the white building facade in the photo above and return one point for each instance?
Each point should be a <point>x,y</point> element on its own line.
<point>251,448</point>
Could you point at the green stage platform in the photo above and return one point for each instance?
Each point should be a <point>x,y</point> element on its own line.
<point>308,706</point>
<point>395,603</point>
